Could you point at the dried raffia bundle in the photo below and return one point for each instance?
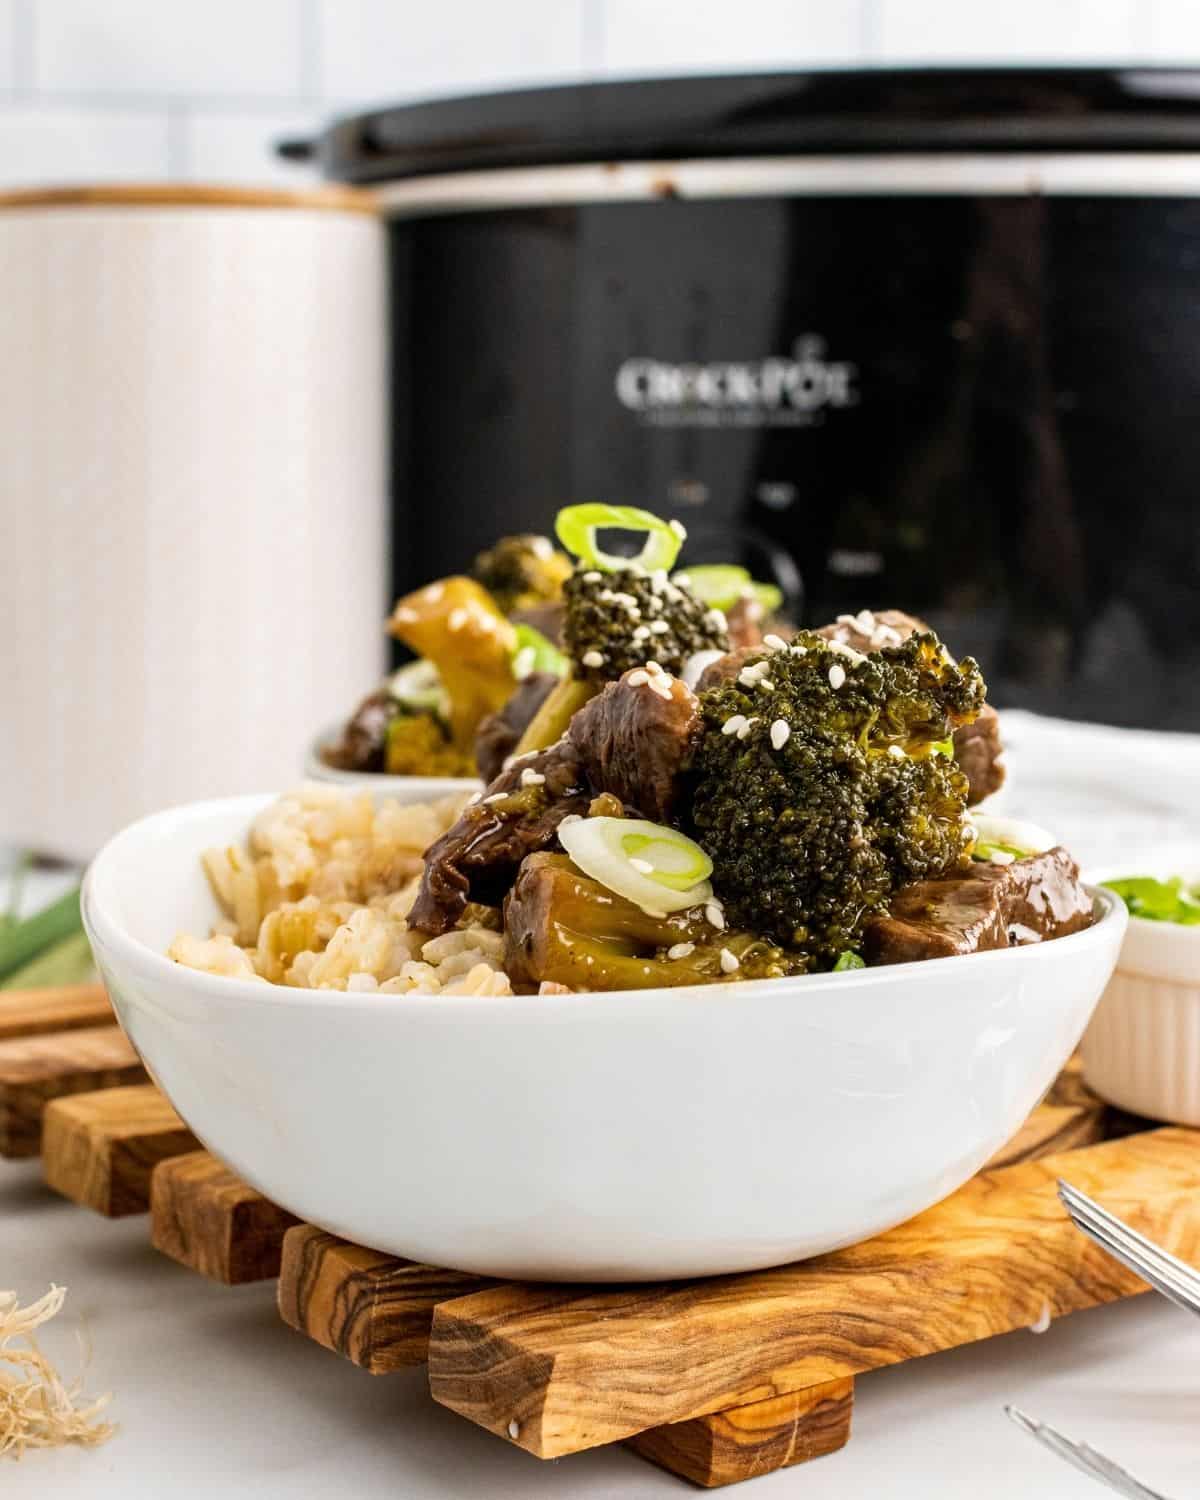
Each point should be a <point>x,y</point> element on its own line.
<point>36,1409</point>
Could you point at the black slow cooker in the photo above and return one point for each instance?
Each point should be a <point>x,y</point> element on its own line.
<point>917,339</point>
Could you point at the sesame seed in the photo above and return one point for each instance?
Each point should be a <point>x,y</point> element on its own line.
<point>653,668</point>
<point>715,620</point>
<point>638,677</point>
<point>514,1428</point>
<point>523,662</point>
<point>530,777</point>
<point>729,962</point>
<point>473,799</point>
<point>458,618</point>
<point>592,576</point>
<point>766,685</point>
<point>774,643</point>
<point>839,648</point>
<point>1002,857</point>
<point>798,650</point>
<point>659,627</point>
<point>681,950</point>
<point>714,916</point>
<point>593,658</point>
<point>681,580</point>
<point>896,752</point>
<point>642,866</point>
<point>606,596</point>
<point>780,731</point>
<point>733,724</point>
<point>642,633</point>
<point>837,675</point>
<point>745,728</point>
<point>495,797</point>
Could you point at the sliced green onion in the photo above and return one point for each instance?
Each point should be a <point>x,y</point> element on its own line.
<point>849,960</point>
<point>533,652</point>
<point>1008,836</point>
<point>721,585</point>
<point>943,747</point>
<point>419,687</point>
<point>655,867</point>
<point>577,525</point>
<point>1159,900</point>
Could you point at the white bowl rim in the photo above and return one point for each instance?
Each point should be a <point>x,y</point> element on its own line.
<point>612,1003</point>
<point>316,769</point>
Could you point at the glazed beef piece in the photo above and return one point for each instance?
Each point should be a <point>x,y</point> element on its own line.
<point>978,751</point>
<point>364,739</point>
<point>989,906</point>
<point>746,622</point>
<point>477,859</point>
<point>872,631</point>
<point>634,738</point>
<point>500,733</point>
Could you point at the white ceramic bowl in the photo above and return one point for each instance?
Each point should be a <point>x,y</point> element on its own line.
<point>659,1133</point>
<point>1141,1050</point>
<point>409,788</point>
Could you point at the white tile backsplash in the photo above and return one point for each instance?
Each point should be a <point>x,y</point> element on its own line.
<point>374,51</point>
<point>197,88</point>
<point>683,36</point>
<point>1012,31</point>
<point>244,48</point>
<point>8,45</point>
<point>1171,32</point>
<point>44,144</point>
<point>226,147</point>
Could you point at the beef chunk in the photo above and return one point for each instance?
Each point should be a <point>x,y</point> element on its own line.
<point>478,858</point>
<point>867,631</point>
<point>988,906</point>
<point>634,738</point>
<point>499,734</point>
<point>364,739</point>
<point>978,751</point>
<point>745,622</point>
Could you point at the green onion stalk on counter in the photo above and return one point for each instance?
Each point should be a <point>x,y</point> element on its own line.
<point>47,949</point>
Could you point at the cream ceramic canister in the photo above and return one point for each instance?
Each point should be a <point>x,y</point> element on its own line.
<point>192,492</point>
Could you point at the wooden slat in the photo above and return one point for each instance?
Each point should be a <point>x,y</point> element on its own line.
<point>730,1446</point>
<point>373,1309</point>
<point>38,1012</point>
<point>99,1149</point>
<point>204,1216</point>
<point>1071,1116</point>
<point>574,1369</point>
<point>36,1069</point>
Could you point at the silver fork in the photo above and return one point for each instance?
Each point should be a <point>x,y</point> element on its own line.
<point>1166,1273</point>
<point>1084,1458</point>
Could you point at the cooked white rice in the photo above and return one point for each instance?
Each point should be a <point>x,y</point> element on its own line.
<point>318,899</point>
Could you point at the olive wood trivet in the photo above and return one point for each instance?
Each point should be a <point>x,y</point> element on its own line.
<point>39,1012</point>
<point>36,1069</point>
<point>716,1380</point>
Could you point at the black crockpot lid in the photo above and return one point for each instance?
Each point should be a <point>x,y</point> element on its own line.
<point>760,114</point>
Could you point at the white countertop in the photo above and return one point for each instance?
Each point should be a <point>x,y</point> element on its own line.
<point>216,1397</point>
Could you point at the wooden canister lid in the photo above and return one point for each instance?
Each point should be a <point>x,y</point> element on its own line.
<point>332,199</point>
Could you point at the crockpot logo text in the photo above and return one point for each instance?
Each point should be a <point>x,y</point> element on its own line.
<point>774,392</point>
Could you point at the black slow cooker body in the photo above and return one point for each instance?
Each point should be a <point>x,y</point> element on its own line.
<point>978,404</point>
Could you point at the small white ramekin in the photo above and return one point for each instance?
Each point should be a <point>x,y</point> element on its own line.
<point>1141,1050</point>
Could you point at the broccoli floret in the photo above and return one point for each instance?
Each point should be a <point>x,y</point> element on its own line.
<point>823,782</point>
<point>621,619</point>
<point>522,571</point>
